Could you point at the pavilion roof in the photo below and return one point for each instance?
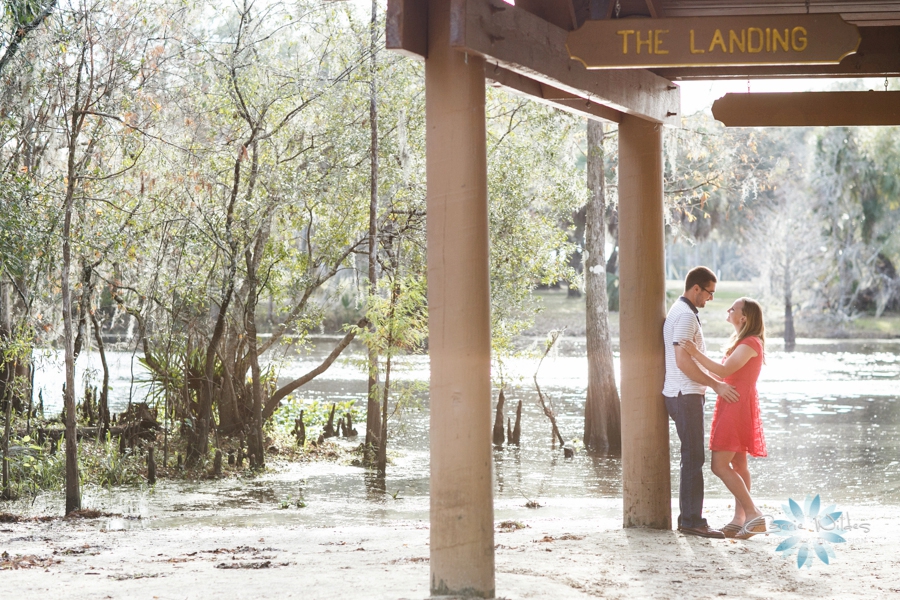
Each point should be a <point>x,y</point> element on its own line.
<point>878,20</point>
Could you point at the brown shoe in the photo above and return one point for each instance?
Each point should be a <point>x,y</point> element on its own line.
<point>704,531</point>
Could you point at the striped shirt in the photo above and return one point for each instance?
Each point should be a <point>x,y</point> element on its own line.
<point>682,323</point>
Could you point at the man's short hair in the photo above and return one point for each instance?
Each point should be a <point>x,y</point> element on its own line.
<point>701,276</point>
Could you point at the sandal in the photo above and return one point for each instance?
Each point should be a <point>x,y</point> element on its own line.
<point>751,528</point>
<point>731,530</point>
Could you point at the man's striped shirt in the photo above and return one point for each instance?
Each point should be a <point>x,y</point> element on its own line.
<point>682,323</point>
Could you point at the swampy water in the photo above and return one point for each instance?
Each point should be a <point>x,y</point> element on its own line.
<point>831,415</point>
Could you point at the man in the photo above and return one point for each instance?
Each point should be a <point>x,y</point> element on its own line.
<point>684,392</point>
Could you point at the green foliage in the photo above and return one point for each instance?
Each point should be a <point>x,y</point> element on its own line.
<point>103,464</point>
<point>32,469</point>
<point>711,174</point>
<point>398,317</point>
<point>534,185</point>
<point>315,413</point>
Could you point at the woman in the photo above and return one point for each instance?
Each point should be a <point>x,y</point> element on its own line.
<point>736,427</point>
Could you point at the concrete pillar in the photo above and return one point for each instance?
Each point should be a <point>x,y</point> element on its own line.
<point>646,485</point>
<point>459,343</point>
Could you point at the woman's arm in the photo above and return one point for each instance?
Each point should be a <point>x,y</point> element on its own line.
<point>741,355</point>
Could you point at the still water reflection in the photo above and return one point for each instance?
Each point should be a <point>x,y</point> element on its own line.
<point>831,413</point>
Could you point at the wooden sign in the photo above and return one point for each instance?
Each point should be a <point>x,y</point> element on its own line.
<point>809,109</point>
<point>713,41</point>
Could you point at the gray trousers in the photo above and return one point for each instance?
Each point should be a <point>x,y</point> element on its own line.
<point>687,412</point>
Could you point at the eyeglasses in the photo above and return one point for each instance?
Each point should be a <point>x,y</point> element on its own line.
<point>711,294</point>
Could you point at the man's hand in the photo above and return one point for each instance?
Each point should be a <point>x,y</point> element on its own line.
<point>727,392</point>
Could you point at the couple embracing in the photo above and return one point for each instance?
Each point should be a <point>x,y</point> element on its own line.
<point>736,426</point>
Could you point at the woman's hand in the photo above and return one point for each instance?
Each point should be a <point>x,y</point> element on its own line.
<point>690,347</point>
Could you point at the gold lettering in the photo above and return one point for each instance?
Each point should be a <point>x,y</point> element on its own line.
<point>625,33</point>
<point>717,40</point>
<point>695,50</point>
<point>777,39</point>
<point>750,47</point>
<point>768,39</point>
<point>733,40</point>
<point>798,39</point>
<point>657,41</point>
<point>648,43</point>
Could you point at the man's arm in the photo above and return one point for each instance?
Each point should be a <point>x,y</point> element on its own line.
<point>687,366</point>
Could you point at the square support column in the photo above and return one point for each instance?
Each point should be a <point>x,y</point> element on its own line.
<point>459,338</point>
<point>646,486</point>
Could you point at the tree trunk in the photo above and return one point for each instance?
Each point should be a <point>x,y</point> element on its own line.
<point>255,442</point>
<point>576,261</point>
<point>382,442</point>
<point>373,417</point>
<point>395,294</point>
<point>7,372</point>
<point>602,412</point>
<point>5,490</point>
<point>73,485</point>
<point>104,391</point>
<point>790,336</point>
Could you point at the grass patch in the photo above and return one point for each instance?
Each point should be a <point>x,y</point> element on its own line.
<point>559,311</point>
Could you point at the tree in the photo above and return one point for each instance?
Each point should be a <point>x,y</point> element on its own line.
<point>20,18</point>
<point>373,415</point>
<point>602,411</point>
<point>856,187</point>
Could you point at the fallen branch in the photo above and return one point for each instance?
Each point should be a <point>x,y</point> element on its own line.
<point>547,404</point>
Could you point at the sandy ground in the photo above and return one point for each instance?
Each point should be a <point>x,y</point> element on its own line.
<point>573,551</point>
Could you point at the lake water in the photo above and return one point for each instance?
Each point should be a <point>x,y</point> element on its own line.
<point>831,415</point>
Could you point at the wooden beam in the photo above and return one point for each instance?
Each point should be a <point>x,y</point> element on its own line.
<point>407,27</point>
<point>809,109</point>
<point>459,318</point>
<point>546,94</point>
<point>559,12</point>
<point>858,12</point>
<point>521,42</point>
<point>878,56</point>
<point>646,488</point>
<point>656,9</point>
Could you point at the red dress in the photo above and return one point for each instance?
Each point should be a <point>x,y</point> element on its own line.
<point>736,427</point>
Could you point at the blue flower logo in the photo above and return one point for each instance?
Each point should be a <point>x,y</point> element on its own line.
<point>810,531</point>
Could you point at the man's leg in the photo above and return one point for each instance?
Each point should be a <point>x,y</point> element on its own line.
<point>687,412</point>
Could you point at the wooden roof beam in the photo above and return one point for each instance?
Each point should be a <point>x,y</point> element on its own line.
<point>521,42</point>
<point>546,94</point>
<point>809,109</point>
<point>559,12</point>
<point>656,9</point>
<point>407,27</point>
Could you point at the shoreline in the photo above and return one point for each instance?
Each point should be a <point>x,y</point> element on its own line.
<point>579,551</point>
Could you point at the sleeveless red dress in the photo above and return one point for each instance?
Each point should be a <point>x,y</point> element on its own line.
<point>737,427</point>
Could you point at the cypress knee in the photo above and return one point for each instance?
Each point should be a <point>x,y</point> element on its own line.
<point>517,430</point>
<point>498,421</point>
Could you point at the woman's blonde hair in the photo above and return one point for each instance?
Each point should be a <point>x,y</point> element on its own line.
<point>753,325</point>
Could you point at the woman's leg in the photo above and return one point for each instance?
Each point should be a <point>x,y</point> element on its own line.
<point>739,466</point>
<point>721,466</point>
